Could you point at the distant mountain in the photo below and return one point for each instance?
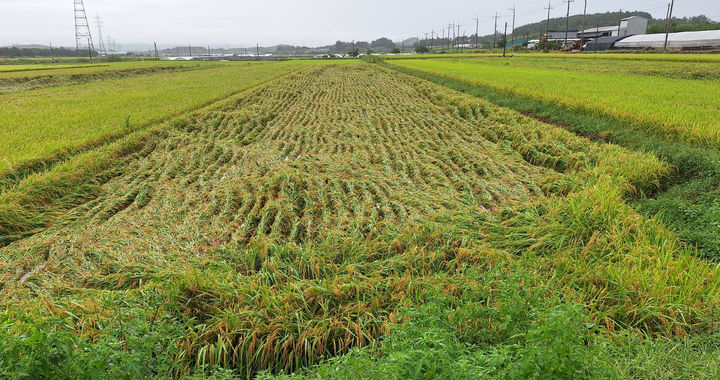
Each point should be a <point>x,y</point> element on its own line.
<point>410,41</point>
<point>35,46</point>
<point>43,51</point>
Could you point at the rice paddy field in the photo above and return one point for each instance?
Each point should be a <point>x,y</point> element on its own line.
<point>623,93</point>
<point>107,102</point>
<point>312,219</point>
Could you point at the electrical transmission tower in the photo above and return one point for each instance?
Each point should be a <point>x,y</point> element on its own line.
<point>83,38</point>
<point>101,43</point>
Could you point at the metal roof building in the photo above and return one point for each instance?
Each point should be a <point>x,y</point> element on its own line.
<point>603,43</point>
<point>599,31</point>
<point>560,35</point>
<point>704,40</point>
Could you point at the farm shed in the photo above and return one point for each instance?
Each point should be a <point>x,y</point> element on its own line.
<point>603,43</point>
<point>557,36</point>
<point>704,40</point>
<point>599,31</point>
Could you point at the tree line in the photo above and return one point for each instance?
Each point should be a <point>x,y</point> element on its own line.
<point>12,52</point>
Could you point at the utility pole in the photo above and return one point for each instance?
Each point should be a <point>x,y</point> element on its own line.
<point>453,42</point>
<point>547,29</point>
<point>477,30</point>
<point>495,35</point>
<point>505,42</point>
<point>449,44</point>
<point>157,55</point>
<point>597,36</point>
<point>527,42</point>
<point>567,21</point>
<point>667,24</point>
<point>189,51</point>
<point>512,32</point>
<point>458,34</point>
<point>582,36</point>
<point>257,49</point>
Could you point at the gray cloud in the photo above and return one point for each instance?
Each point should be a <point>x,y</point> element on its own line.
<point>308,22</point>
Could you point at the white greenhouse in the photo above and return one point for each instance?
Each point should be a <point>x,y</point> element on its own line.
<point>704,40</point>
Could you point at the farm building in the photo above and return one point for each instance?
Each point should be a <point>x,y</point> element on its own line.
<point>704,40</point>
<point>602,43</point>
<point>560,35</point>
<point>627,27</point>
<point>553,36</point>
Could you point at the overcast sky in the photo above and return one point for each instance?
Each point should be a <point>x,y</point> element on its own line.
<point>307,22</point>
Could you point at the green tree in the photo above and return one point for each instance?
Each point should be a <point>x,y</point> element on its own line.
<point>382,44</point>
